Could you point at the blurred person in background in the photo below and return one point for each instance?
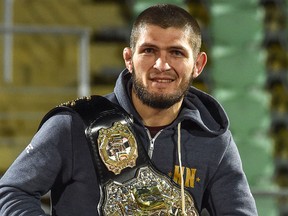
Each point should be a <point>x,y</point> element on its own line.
<point>154,146</point>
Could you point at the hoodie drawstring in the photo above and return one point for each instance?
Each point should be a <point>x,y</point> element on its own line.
<point>181,171</point>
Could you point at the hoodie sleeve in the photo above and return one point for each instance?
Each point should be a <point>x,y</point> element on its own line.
<point>33,173</point>
<point>229,192</point>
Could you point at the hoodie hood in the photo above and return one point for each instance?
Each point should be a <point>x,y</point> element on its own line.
<point>203,109</point>
<point>198,106</point>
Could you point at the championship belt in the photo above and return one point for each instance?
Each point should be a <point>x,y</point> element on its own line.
<point>129,183</point>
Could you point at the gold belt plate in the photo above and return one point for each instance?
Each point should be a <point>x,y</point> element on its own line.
<point>149,194</point>
<point>117,147</point>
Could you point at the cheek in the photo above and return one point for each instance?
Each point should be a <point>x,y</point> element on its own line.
<point>141,68</point>
<point>138,64</point>
<point>139,75</point>
<point>145,61</point>
<point>185,72</point>
<point>186,78</point>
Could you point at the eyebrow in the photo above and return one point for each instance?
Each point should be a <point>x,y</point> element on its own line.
<point>148,45</point>
<point>154,46</point>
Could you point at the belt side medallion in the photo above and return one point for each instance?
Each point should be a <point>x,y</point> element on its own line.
<point>117,147</point>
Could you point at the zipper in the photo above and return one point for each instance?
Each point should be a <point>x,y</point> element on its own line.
<point>152,142</point>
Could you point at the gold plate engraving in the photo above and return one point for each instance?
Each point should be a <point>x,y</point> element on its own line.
<point>149,194</point>
<point>117,147</point>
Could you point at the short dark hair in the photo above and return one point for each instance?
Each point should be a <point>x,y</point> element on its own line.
<point>165,16</point>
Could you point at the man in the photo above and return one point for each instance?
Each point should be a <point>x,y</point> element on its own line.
<point>99,159</point>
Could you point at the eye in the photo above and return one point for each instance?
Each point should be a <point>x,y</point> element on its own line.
<point>148,50</point>
<point>177,53</point>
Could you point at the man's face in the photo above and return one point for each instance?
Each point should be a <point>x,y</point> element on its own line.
<point>162,66</point>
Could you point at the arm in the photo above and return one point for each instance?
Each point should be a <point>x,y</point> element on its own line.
<point>33,173</point>
<point>228,193</point>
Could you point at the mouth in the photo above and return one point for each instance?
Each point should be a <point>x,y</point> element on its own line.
<point>162,80</point>
<point>160,84</point>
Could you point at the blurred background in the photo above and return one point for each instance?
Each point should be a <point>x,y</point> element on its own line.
<point>54,51</point>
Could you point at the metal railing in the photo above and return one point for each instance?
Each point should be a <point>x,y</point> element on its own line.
<point>8,29</point>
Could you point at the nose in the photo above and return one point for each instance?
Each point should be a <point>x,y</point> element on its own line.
<point>162,64</point>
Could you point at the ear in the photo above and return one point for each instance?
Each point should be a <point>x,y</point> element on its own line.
<point>127,56</point>
<point>199,64</point>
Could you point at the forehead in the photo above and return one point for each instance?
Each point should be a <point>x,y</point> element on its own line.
<point>164,36</point>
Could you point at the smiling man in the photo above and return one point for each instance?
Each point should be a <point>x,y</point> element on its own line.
<point>154,146</point>
<point>163,65</point>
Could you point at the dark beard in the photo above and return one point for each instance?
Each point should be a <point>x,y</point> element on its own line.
<point>158,101</point>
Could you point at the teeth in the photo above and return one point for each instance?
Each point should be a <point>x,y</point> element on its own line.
<point>164,81</point>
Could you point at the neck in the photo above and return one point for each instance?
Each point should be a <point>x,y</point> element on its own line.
<point>156,117</point>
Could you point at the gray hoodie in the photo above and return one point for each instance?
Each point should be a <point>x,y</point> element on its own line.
<point>58,159</point>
